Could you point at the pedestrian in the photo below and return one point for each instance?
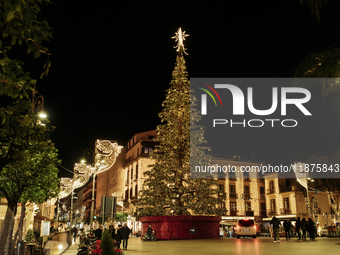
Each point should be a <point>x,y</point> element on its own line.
<point>304,228</point>
<point>74,233</point>
<point>311,229</point>
<point>125,236</point>
<point>112,231</point>
<point>99,232</point>
<point>297,227</point>
<point>118,236</point>
<point>287,225</point>
<point>276,228</point>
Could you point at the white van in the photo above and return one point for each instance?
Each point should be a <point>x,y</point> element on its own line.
<point>245,227</point>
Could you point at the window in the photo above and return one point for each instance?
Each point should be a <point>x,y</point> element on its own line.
<point>147,149</point>
<point>246,223</point>
<point>262,190</point>
<point>221,188</point>
<point>246,190</point>
<point>131,172</point>
<point>248,206</point>
<point>286,203</point>
<point>127,176</point>
<point>272,205</point>
<point>232,189</point>
<point>136,190</point>
<point>233,206</point>
<point>136,171</point>
<point>130,193</point>
<point>271,187</point>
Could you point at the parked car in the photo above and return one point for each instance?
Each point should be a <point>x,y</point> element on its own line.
<point>246,227</point>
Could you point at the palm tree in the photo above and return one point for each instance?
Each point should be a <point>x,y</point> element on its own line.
<point>315,6</point>
<point>322,64</point>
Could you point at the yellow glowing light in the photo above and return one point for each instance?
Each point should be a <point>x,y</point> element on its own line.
<point>179,38</point>
<point>42,115</point>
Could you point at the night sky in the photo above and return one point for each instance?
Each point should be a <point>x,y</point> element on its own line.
<point>112,64</point>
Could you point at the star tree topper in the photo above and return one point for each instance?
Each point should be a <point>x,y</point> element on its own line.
<point>179,38</point>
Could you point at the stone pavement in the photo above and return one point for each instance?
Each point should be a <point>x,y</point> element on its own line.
<point>243,246</point>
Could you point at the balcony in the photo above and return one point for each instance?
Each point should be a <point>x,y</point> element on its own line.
<point>285,211</point>
<point>233,213</point>
<point>272,213</point>
<point>270,191</point>
<point>128,160</point>
<point>263,214</point>
<point>246,196</point>
<point>285,189</point>
<point>233,196</point>
<point>222,194</point>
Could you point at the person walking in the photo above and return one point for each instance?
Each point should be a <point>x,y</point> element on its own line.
<point>304,228</point>
<point>118,236</point>
<point>74,233</point>
<point>125,236</point>
<point>113,232</point>
<point>311,229</point>
<point>298,227</point>
<point>99,232</point>
<point>276,228</point>
<point>287,225</point>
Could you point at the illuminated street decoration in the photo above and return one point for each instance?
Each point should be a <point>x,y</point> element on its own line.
<point>332,203</point>
<point>179,38</point>
<point>106,153</point>
<point>66,186</point>
<point>301,175</point>
<point>82,174</point>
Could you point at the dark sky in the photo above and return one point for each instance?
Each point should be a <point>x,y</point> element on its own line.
<point>112,63</point>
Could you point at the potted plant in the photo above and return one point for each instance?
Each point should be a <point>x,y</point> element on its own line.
<point>30,238</point>
<point>106,246</point>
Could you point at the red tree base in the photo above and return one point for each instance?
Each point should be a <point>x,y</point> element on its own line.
<point>178,227</point>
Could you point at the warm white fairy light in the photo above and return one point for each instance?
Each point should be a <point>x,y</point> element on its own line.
<point>106,152</point>
<point>66,187</point>
<point>333,205</point>
<point>292,203</point>
<point>179,38</point>
<point>301,175</point>
<point>82,174</point>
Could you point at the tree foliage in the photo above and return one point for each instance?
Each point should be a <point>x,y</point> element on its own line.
<point>28,162</point>
<point>23,35</point>
<point>315,7</point>
<point>169,188</point>
<point>322,64</point>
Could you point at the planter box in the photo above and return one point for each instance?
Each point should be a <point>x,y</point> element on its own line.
<point>183,227</point>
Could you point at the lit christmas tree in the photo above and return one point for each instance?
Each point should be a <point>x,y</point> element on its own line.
<point>169,190</point>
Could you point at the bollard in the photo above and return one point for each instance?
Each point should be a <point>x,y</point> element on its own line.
<point>20,247</point>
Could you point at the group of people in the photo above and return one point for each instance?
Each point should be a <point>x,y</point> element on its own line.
<point>304,226</point>
<point>120,234</point>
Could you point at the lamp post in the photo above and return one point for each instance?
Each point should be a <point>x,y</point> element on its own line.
<point>97,166</point>
<point>308,204</point>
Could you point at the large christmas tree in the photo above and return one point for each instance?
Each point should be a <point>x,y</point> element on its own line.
<point>168,188</point>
